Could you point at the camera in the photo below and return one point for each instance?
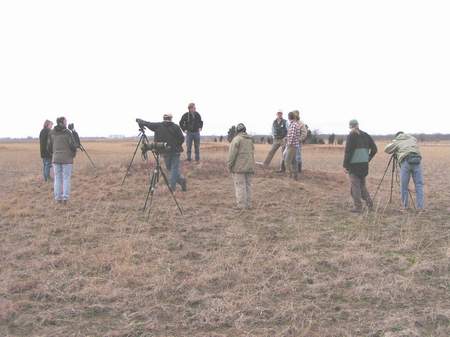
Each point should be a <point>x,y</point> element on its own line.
<point>158,147</point>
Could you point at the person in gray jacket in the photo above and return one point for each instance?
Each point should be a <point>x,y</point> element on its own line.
<point>63,149</point>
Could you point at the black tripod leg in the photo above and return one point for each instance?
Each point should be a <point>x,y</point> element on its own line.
<point>171,192</point>
<point>384,175</point>
<point>132,159</point>
<point>151,190</point>
<point>392,179</point>
<point>87,155</point>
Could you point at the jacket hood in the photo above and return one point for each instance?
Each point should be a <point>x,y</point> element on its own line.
<point>245,135</point>
<point>403,136</point>
<point>59,128</point>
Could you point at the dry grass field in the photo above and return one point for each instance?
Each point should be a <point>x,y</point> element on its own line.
<point>297,264</point>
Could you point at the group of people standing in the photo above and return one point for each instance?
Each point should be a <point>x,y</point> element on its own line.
<point>360,149</point>
<point>289,135</point>
<point>59,146</point>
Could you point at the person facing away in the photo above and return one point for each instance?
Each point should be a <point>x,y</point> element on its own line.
<point>191,123</point>
<point>359,151</point>
<point>63,148</point>
<point>279,133</point>
<point>405,148</point>
<point>240,163</point>
<point>170,133</point>
<point>45,154</point>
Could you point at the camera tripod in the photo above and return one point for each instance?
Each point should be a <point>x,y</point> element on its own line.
<point>394,165</point>
<point>157,172</point>
<point>81,147</point>
<point>142,139</point>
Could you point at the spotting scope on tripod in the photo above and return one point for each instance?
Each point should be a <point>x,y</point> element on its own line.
<point>156,148</point>
<point>393,166</point>
<point>76,137</point>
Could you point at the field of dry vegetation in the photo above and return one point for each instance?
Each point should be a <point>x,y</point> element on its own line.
<point>297,264</point>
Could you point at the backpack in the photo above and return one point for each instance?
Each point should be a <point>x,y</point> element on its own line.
<point>414,159</point>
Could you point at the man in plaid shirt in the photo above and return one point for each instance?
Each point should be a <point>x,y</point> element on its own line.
<point>297,133</point>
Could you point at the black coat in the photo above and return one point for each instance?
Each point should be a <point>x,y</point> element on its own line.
<point>43,140</point>
<point>358,140</point>
<point>167,132</point>
<point>191,122</point>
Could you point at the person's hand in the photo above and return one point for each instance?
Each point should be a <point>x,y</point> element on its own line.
<point>200,130</point>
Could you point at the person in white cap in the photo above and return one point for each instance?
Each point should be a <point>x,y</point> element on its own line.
<point>170,133</point>
<point>241,160</point>
<point>279,133</point>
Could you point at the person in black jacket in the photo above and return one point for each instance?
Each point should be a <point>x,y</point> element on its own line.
<point>45,154</point>
<point>170,133</point>
<point>279,133</point>
<point>191,123</point>
<point>75,135</point>
<point>359,151</point>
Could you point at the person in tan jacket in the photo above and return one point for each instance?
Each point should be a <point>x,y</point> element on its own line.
<point>240,163</point>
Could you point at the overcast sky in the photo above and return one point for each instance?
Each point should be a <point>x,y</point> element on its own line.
<point>104,63</point>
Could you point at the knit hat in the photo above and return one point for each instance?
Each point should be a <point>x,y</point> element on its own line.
<point>167,117</point>
<point>240,127</point>
<point>353,123</point>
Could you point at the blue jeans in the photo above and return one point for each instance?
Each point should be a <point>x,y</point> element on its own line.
<point>406,171</point>
<point>298,155</point>
<point>195,137</point>
<point>62,172</point>
<point>172,161</point>
<point>46,168</point>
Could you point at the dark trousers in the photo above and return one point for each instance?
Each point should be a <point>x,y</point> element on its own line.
<point>359,191</point>
<point>193,137</point>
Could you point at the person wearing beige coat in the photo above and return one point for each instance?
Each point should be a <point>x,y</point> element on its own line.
<point>241,161</point>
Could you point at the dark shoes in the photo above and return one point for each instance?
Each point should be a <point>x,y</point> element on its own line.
<point>183,185</point>
<point>356,210</point>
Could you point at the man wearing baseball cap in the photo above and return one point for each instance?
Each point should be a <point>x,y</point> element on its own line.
<point>170,133</point>
<point>359,151</point>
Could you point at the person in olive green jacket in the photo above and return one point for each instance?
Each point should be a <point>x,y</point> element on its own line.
<point>63,148</point>
<point>240,163</point>
<point>405,148</point>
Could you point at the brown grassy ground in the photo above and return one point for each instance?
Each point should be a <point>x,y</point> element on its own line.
<point>298,264</point>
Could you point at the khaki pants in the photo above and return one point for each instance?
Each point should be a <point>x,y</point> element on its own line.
<point>277,143</point>
<point>291,161</point>
<point>243,189</point>
<point>359,191</point>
